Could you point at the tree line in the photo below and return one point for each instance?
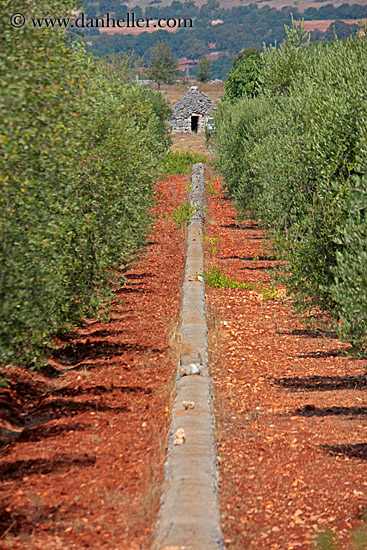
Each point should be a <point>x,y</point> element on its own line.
<point>243,27</point>
<point>291,142</point>
<point>81,146</point>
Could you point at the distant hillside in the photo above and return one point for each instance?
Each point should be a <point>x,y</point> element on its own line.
<point>301,5</point>
<point>216,31</point>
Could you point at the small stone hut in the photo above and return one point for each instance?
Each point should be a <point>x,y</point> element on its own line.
<point>191,112</point>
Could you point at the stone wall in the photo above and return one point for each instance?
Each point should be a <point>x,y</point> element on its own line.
<point>184,124</point>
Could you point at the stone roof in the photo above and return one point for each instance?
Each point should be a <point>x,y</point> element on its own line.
<point>193,101</point>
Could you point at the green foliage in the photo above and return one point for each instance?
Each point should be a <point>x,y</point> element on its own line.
<point>163,112</point>
<point>212,191</point>
<point>349,289</point>
<point>213,243</point>
<point>341,30</point>
<point>176,162</point>
<point>80,148</point>
<point>204,70</point>
<point>243,78</point>
<point>238,130</point>
<point>4,383</point>
<point>295,157</point>
<point>163,67</point>
<point>359,537</point>
<point>181,214</point>
<point>287,63</point>
<point>122,66</point>
<point>217,278</point>
<point>244,26</point>
<point>327,540</point>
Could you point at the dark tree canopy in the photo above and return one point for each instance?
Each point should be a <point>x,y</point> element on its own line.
<point>205,70</point>
<point>243,77</point>
<point>163,67</point>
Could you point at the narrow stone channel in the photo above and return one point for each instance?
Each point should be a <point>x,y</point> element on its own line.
<point>189,516</point>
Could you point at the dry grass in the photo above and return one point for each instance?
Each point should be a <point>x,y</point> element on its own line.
<point>195,143</point>
<point>323,25</point>
<point>211,173</point>
<point>214,90</point>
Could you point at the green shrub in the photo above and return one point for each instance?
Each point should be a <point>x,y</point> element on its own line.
<point>295,157</point>
<point>176,162</point>
<point>349,288</point>
<point>217,278</point>
<point>163,112</point>
<point>181,214</point>
<point>239,128</point>
<point>79,154</point>
<point>243,77</point>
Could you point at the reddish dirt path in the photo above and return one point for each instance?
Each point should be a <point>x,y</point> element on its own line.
<point>86,468</point>
<point>291,410</point>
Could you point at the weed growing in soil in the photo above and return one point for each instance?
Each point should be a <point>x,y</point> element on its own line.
<point>217,278</point>
<point>327,540</point>
<point>213,243</point>
<point>181,214</point>
<point>212,191</point>
<point>270,292</point>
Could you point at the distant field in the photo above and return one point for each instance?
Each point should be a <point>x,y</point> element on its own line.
<point>278,4</point>
<point>323,25</point>
<point>135,30</point>
<point>174,92</point>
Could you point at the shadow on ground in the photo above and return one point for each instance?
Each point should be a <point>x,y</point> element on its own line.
<point>311,410</point>
<point>356,450</point>
<point>322,383</point>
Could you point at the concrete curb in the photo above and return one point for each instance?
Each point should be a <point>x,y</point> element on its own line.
<point>189,517</point>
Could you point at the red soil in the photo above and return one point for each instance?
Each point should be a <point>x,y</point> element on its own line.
<point>291,409</point>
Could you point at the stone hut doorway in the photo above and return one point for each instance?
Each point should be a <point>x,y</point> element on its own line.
<point>191,112</point>
<point>194,123</point>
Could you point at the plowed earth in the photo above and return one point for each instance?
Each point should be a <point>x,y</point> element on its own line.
<point>291,409</point>
<point>83,445</point>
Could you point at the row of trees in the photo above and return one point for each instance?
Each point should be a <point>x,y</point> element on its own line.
<point>81,145</point>
<point>291,142</point>
<point>163,67</point>
<point>212,9</point>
